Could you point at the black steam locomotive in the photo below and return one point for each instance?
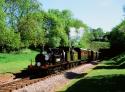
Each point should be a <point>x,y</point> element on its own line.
<point>61,58</point>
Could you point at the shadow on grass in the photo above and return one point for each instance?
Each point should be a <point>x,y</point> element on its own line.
<point>109,83</point>
<point>72,75</point>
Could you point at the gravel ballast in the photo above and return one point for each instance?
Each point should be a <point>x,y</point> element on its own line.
<point>57,81</point>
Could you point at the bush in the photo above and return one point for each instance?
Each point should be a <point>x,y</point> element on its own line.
<point>117,38</point>
<point>9,40</point>
<point>95,45</point>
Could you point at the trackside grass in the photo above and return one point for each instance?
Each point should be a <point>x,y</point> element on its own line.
<point>109,76</point>
<point>12,63</point>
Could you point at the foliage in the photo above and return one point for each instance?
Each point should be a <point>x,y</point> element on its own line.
<point>77,23</point>
<point>67,21</point>
<point>65,17</point>
<point>2,16</point>
<point>117,60</point>
<point>94,39</point>
<point>23,23</point>
<point>96,45</point>
<point>97,34</point>
<point>11,14</point>
<point>16,9</point>
<point>117,36</point>
<point>85,40</point>
<point>59,19</point>
<point>54,41</point>
<point>9,40</point>
<point>31,32</point>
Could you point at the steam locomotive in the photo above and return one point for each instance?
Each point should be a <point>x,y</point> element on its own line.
<point>52,59</point>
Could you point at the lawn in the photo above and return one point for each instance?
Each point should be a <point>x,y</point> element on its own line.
<point>12,63</point>
<point>109,76</point>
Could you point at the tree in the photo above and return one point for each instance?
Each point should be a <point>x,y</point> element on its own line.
<point>65,17</point>
<point>77,32</point>
<point>30,26</point>
<point>9,40</point>
<point>57,31</point>
<point>16,9</point>
<point>2,16</point>
<point>65,21</point>
<point>55,28</point>
<point>97,34</point>
<point>2,24</point>
<point>85,40</point>
<point>31,31</point>
<point>117,37</point>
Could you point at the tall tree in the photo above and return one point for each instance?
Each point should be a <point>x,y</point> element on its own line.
<point>16,9</point>
<point>97,34</point>
<point>85,40</point>
<point>31,30</point>
<point>56,26</point>
<point>65,17</point>
<point>2,24</point>
<point>66,21</point>
<point>2,16</point>
<point>117,36</point>
<point>9,40</point>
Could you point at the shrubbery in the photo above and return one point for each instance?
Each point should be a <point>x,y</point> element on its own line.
<point>9,40</point>
<point>96,46</point>
<point>117,37</point>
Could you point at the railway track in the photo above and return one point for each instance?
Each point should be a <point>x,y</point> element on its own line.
<point>9,87</point>
<point>15,85</point>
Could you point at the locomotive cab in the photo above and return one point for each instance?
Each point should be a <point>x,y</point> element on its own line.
<point>56,55</point>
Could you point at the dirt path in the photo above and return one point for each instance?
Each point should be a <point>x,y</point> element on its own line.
<point>5,78</point>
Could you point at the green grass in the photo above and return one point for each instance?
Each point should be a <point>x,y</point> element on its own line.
<point>103,72</point>
<point>109,76</point>
<point>12,63</point>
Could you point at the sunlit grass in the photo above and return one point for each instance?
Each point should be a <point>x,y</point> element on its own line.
<point>15,62</point>
<point>103,72</point>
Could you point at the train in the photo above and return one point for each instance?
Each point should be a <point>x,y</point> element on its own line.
<point>51,60</point>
